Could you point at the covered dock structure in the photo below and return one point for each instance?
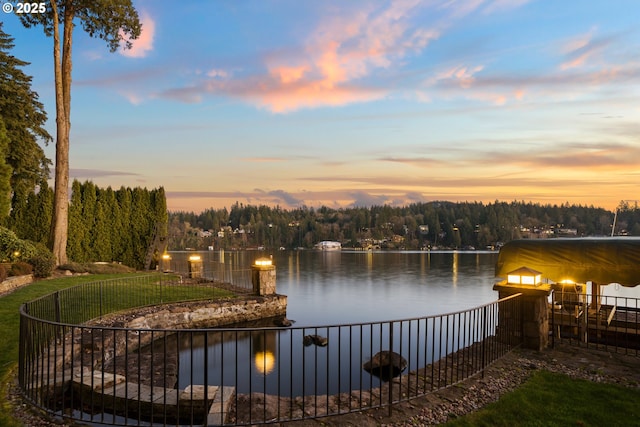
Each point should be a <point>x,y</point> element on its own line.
<point>573,265</point>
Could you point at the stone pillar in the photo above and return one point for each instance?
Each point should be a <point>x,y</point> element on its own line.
<point>166,263</point>
<point>263,277</point>
<point>532,311</point>
<point>195,267</point>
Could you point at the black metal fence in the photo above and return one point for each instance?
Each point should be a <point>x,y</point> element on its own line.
<point>120,375</point>
<point>210,265</point>
<point>610,323</point>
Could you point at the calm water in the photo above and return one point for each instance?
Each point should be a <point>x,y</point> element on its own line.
<point>333,288</point>
<point>351,287</point>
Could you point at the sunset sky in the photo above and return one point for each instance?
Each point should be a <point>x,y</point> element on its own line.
<point>343,103</point>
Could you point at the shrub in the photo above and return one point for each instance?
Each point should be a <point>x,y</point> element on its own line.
<point>43,261</point>
<point>13,249</point>
<point>73,267</point>
<point>8,242</point>
<point>20,268</point>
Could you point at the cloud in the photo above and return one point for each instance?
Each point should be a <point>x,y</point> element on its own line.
<point>286,197</point>
<point>144,43</point>
<point>263,159</point>
<point>414,161</point>
<point>362,198</point>
<point>576,158</point>
<point>583,48</point>
<point>331,67</point>
<point>218,73</point>
<point>97,173</point>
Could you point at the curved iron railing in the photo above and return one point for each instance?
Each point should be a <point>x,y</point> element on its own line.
<point>73,367</point>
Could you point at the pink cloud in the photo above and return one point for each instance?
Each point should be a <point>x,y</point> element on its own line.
<point>582,49</point>
<point>143,44</point>
<point>342,51</point>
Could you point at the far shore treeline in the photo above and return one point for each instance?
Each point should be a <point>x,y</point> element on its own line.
<point>417,226</point>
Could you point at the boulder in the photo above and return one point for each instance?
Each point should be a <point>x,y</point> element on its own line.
<point>385,365</point>
<point>315,339</point>
<point>283,322</point>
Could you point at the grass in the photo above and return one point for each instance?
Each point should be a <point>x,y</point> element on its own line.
<point>10,319</point>
<point>551,399</point>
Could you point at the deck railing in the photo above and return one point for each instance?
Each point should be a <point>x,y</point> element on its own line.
<point>113,375</point>
<point>610,323</point>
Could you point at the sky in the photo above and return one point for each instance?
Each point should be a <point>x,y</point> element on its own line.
<point>357,103</point>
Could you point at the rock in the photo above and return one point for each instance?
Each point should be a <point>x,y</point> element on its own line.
<point>283,322</point>
<point>315,339</point>
<point>385,365</point>
<point>67,273</point>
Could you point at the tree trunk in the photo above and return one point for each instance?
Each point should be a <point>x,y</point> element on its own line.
<point>62,72</point>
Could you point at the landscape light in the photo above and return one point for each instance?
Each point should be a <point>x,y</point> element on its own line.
<point>524,276</point>
<point>263,262</point>
<point>194,258</point>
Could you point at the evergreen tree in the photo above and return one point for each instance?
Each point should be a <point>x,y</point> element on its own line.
<point>124,252</point>
<point>76,224</point>
<point>43,208</point>
<point>24,119</point>
<point>89,202</point>
<point>18,222</point>
<point>5,176</point>
<point>102,249</point>
<point>142,225</point>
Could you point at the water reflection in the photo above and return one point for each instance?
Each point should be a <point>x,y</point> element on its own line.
<point>264,351</point>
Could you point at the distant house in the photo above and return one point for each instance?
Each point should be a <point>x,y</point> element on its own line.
<point>327,245</point>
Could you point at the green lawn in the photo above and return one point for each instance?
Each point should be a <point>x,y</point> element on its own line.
<point>10,319</point>
<point>550,399</point>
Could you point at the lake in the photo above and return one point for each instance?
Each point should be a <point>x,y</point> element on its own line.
<point>365,286</point>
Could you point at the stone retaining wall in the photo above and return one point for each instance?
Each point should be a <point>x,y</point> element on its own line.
<point>13,283</point>
<point>211,314</point>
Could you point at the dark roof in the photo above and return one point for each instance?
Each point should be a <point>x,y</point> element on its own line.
<point>601,260</point>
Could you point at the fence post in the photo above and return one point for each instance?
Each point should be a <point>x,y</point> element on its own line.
<point>58,314</point>
<point>390,368</point>
<point>484,339</point>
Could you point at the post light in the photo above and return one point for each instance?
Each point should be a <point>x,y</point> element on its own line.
<point>263,262</point>
<point>16,254</point>
<point>195,266</point>
<point>532,309</point>
<point>263,276</point>
<point>166,262</point>
<point>524,276</point>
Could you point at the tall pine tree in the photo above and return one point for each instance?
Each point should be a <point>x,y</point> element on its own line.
<point>24,119</point>
<point>5,176</point>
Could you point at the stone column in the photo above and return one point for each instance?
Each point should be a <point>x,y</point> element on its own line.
<point>195,267</point>
<point>263,277</point>
<point>533,313</point>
